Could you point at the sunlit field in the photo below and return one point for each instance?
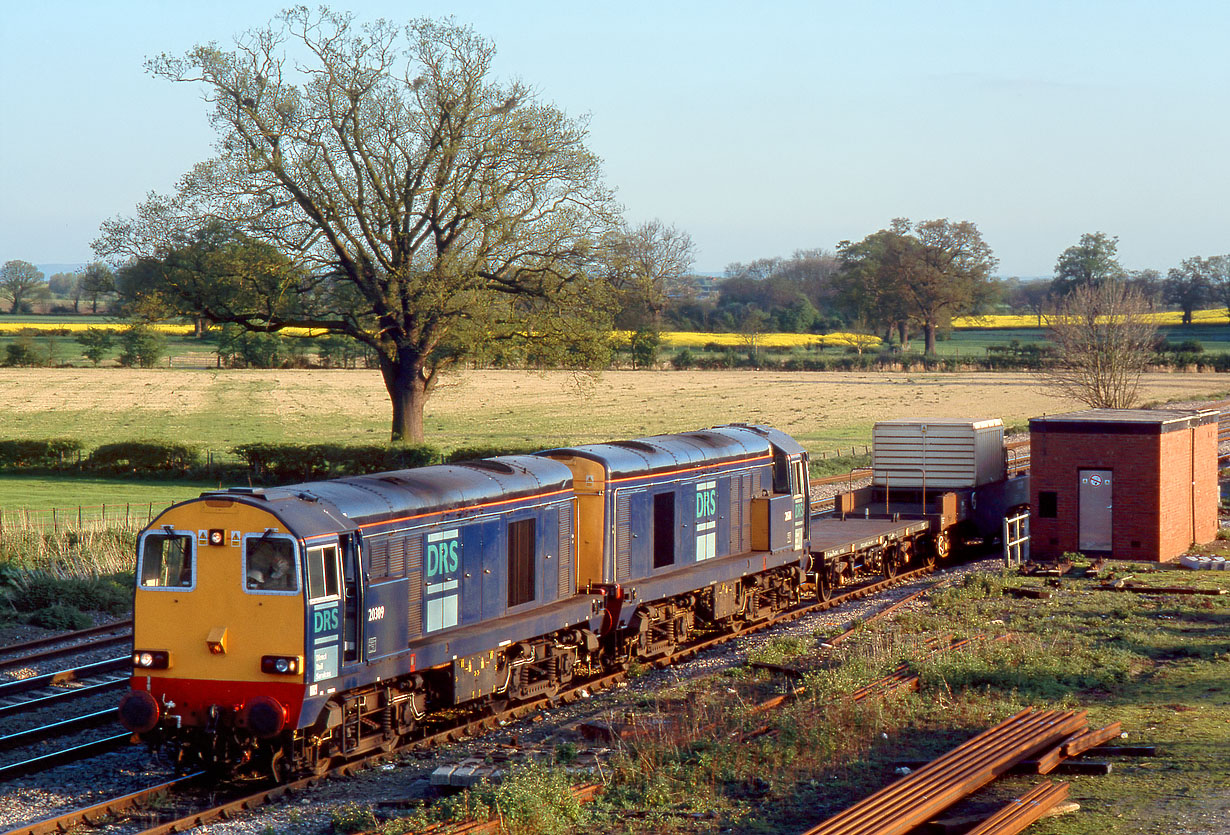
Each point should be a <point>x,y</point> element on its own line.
<point>217,409</point>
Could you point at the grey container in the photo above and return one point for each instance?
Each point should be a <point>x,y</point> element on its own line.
<point>948,453</point>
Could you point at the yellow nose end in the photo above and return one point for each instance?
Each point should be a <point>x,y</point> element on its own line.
<point>217,640</point>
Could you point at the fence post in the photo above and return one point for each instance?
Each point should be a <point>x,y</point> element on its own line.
<point>127,508</point>
<point>78,517</point>
<point>54,526</point>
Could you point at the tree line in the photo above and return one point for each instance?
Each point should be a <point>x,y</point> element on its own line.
<point>374,182</point>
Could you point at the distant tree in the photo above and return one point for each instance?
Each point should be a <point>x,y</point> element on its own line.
<point>926,273</point>
<point>1026,296</point>
<point>1103,339</point>
<point>868,284</point>
<point>431,209</point>
<point>97,281</point>
<point>1091,261</point>
<point>95,344</point>
<point>644,345</point>
<point>1148,283</point>
<point>1188,285</point>
<point>1219,278</point>
<point>792,291</point>
<point>21,282</point>
<point>63,284</point>
<point>648,264</point>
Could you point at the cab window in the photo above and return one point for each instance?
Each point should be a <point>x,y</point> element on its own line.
<point>323,573</point>
<point>269,564</point>
<point>167,561</point>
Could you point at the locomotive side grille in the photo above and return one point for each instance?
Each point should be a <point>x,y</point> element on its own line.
<point>736,514</point>
<point>565,552</point>
<point>413,550</point>
<point>378,554</point>
<point>740,517</point>
<point>623,537</point>
<point>397,557</point>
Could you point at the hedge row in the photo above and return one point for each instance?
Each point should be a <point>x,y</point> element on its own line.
<point>283,463</point>
<point>261,463</point>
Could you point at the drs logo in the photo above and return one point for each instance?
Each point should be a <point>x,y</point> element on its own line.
<point>442,557</point>
<point>324,620</point>
<point>706,502</point>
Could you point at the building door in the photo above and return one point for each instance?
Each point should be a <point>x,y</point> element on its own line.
<point>1095,510</point>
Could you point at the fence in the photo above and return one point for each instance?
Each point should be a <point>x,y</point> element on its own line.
<point>127,516</point>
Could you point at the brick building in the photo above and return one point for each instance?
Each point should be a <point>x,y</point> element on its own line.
<point>1137,484</point>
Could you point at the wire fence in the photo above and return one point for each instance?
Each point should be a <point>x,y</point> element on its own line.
<point>129,516</point>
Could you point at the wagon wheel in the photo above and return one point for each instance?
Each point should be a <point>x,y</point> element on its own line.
<point>824,588</point>
<point>891,563</point>
<point>943,545</point>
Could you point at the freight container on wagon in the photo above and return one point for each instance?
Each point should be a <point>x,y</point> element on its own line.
<point>937,453</point>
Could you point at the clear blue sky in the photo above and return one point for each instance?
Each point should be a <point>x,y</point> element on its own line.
<point>759,129</point>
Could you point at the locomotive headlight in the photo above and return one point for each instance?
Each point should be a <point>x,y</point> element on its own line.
<point>286,665</point>
<point>151,659</point>
<point>216,537</point>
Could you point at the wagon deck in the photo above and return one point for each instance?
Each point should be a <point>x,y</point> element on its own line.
<point>834,537</point>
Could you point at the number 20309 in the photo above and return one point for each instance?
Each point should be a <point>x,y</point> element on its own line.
<point>375,613</point>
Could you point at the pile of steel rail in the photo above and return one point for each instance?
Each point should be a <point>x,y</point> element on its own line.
<point>917,797</point>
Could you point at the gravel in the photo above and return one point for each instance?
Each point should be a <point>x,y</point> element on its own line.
<point>408,777</point>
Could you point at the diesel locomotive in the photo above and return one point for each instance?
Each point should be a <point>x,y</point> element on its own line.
<point>285,629</point>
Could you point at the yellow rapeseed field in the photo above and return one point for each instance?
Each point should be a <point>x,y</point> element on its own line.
<point>1215,316</point>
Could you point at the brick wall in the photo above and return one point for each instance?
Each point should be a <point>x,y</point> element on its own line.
<point>1156,514</point>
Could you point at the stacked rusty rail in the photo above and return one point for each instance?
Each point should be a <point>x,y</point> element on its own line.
<point>1023,811</point>
<point>912,800</point>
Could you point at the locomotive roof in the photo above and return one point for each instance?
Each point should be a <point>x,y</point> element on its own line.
<point>659,453</point>
<point>360,500</point>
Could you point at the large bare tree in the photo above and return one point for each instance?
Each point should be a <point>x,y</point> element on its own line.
<point>1103,338</point>
<point>431,207</point>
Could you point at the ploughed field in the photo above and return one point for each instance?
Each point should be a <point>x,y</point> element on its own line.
<point>216,409</point>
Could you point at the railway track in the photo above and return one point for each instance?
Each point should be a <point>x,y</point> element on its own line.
<point>82,641</point>
<point>442,733</point>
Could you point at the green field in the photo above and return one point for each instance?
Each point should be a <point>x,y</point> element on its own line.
<point>37,492</point>
<point>217,410</point>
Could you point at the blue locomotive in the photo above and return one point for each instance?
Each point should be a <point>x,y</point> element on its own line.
<point>288,628</point>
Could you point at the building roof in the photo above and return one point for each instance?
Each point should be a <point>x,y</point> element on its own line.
<point>1124,421</point>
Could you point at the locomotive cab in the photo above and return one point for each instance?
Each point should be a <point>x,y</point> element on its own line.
<point>218,644</point>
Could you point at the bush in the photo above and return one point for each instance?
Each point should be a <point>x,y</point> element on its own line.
<point>95,344</point>
<point>683,360</point>
<point>144,456</point>
<point>141,346</point>
<point>22,353</point>
<point>60,618</point>
<point>473,453</point>
<point>286,463</point>
<point>37,591</point>
<point>48,454</point>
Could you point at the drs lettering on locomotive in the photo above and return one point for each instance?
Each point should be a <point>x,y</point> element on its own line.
<point>324,620</point>
<point>442,595</point>
<point>706,501</point>
<point>441,556</point>
<point>706,524</point>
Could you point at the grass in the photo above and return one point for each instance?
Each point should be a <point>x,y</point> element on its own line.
<point>40,492</point>
<point>1156,664</point>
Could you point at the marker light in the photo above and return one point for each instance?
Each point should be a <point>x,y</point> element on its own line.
<point>216,537</point>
